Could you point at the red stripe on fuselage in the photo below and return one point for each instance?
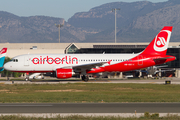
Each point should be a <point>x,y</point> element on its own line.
<point>134,64</point>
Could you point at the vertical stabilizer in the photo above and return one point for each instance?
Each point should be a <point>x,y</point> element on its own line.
<point>160,43</point>
<point>2,58</point>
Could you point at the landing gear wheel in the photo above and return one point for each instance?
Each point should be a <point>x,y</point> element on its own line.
<point>26,79</point>
<point>85,78</point>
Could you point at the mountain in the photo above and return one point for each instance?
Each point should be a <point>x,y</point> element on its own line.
<point>35,29</point>
<point>136,22</point>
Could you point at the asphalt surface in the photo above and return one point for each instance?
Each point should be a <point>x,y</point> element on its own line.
<point>143,81</point>
<point>91,108</point>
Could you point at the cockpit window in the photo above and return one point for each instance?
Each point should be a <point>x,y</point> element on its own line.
<point>14,60</point>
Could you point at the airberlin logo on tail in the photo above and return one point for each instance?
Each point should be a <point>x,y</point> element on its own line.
<point>162,40</point>
<point>3,50</point>
<point>56,60</point>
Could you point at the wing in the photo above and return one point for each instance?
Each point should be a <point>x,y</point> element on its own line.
<point>86,67</point>
<point>80,68</point>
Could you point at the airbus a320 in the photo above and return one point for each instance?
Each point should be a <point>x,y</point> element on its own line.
<point>66,65</point>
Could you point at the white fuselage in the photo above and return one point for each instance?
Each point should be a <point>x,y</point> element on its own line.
<point>50,62</point>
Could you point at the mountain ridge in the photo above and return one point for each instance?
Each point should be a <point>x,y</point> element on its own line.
<point>136,22</point>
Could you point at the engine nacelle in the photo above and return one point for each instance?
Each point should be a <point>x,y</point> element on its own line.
<point>64,73</point>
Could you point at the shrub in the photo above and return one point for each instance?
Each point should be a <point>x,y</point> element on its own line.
<point>146,115</point>
<point>155,115</point>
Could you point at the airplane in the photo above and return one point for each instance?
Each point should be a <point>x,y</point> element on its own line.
<point>154,70</point>
<point>66,65</point>
<point>2,58</point>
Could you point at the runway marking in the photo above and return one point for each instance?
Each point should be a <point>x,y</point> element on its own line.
<point>54,115</point>
<point>26,105</point>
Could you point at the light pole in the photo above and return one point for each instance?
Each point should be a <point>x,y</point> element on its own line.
<point>115,20</point>
<point>59,26</point>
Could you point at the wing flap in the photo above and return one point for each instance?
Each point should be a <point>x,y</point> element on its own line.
<point>89,66</point>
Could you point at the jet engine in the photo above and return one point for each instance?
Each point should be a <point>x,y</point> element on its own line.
<point>62,73</point>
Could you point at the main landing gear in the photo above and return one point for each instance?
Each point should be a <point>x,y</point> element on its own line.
<point>85,78</point>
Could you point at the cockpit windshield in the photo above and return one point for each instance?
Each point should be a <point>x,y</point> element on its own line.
<point>14,60</point>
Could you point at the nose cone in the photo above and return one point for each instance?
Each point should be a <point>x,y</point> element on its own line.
<point>6,66</point>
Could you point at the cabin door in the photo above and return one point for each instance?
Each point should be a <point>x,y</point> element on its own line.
<point>26,60</point>
<point>140,60</point>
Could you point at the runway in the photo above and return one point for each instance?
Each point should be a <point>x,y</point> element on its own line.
<point>90,108</point>
<point>143,81</point>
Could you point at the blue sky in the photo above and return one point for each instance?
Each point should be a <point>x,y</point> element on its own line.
<point>54,8</point>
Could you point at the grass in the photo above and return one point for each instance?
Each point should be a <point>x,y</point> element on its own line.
<point>89,93</point>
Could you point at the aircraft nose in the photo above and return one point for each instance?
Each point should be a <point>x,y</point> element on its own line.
<point>6,66</point>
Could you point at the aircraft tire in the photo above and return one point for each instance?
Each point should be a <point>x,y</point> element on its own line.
<point>86,79</point>
<point>26,79</point>
<point>83,78</point>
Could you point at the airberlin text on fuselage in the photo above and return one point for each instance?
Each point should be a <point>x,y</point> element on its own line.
<point>56,60</point>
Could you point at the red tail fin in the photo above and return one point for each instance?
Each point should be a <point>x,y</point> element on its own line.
<point>160,43</point>
<point>4,50</point>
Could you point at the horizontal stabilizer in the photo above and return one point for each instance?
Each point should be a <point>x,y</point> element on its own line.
<point>164,58</point>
